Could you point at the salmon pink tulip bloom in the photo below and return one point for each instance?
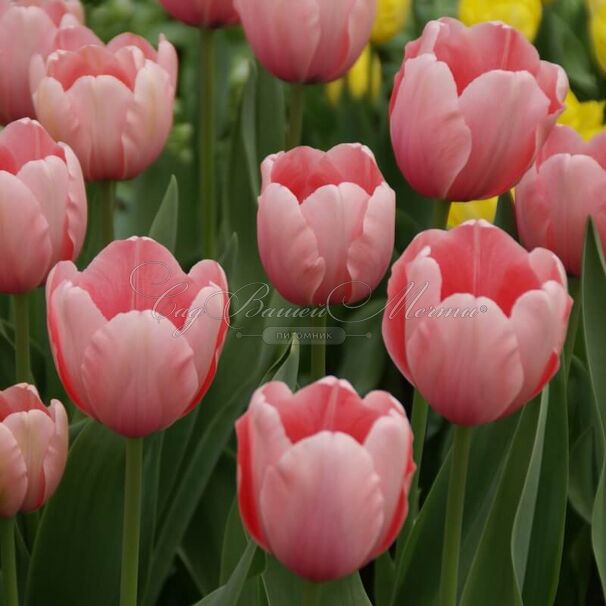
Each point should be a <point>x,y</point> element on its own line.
<point>33,449</point>
<point>323,475</point>
<point>42,205</point>
<point>471,107</point>
<point>475,322</point>
<point>325,224</point>
<point>307,40</point>
<point>565,187</point>
<point>29,28</point>
<point>136,341</point>
<point>203,13</point>
<point>113,104</point>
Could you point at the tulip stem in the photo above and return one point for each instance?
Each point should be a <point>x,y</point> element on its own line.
<point>9,562</point>
<point>22,353</point>
<point>295,120</point>
<point>206,150</point>
<point>311,593</point>
<point>132,522</point>
<point>107,201</point>
<point>318,346</point>
<point>454,516</point>
<point>441,210</point>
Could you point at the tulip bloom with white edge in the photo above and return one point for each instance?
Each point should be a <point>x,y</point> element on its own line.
<point>475,322</point>
<point>325,224</point>
<point>112,104</point>
<point>323,475</point>
<point>136,341</point>
<point>33,449</point>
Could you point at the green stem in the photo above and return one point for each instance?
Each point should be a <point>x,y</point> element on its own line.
<point>132,522</point>
<point>441,210</point>
<point>454,516</point>
<point>311,594</point>
<point>318,348</point>
<point>107,202</point>
<point>207,142</point>
<point>295,120</point>
<point>9,562</point>
<point>574,289</point>
<point>22,353</point>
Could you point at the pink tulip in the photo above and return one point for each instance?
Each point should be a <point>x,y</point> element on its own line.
<point>325,224</point>
<point>471,106</point>
<point>206,13</point>
<point>113,104</point>
<point>29,28</point>
<point>565,187</point>
<point>475,322</point>
<point>33,449</point>
<point>136,341</point>
<point>42,205</point>
<point>308,41</point>
<point>323,475</point>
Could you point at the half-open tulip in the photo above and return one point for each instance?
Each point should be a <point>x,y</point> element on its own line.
<point>203,13</point>
<point>475,322</point>
<point>470,109</point>
<point>136,341</point>
<point>565,187</point>
<point>325,224</point>
<point>113,104</point>
<point>29,28</point>
<point>310,41</point>
<point>33,449</point>
<point>42,205</point>
<point>323,475</point>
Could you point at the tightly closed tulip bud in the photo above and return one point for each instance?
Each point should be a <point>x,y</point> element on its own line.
<point>29,28</point>
<point>203,13</point>
<point>475,322</point>
<point>323,475</point>
<point>391,18</point>
<point>136,341</point>
<point>325,224</point>
<point>524,15</point>
<point>565,187</point>
<point>309,41</point>
<point>470,109</point>
<point>42,205</point>
<point>113,104</point>
<point>33,445</point>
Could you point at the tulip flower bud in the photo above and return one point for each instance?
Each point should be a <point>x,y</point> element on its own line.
<point>33,445</point>
<point>475,322</point>
<point>317,457</point>
<point>325,224</point>
<point>206,13</point>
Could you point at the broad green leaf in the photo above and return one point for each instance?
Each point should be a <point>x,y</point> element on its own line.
<point>506,215</point>
<point>593,286</point>
<point>165,225</point>
<point>287,369</point>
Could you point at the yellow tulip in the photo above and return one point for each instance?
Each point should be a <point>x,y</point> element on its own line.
<point>480,209</point>
<point>392,16</point>
<point>524,15</point>
<point>359,79</point>
<point>586,117</point>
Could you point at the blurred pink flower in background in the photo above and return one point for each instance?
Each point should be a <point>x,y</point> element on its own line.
<point>43,209</point>
<point>29,28</point>
<point>475,322</point>
<point>308,40</point>
<point>113,104</point>
<point>33,449</point>
<point>470,109</point>
<point>325,224</point>
<point>207,13</point>
<point>136,341</point>
<point>566,186</point>
<point>323,475</point>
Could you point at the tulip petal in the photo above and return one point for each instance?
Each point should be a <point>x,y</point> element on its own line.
<point>139,378</point>
<point>19,398</point>
<point>56,455</point>
<point>444,355</point>
<point>424,103</point>
<point>77,208</point>
<point>13,474</point>
<point>321,507</point>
